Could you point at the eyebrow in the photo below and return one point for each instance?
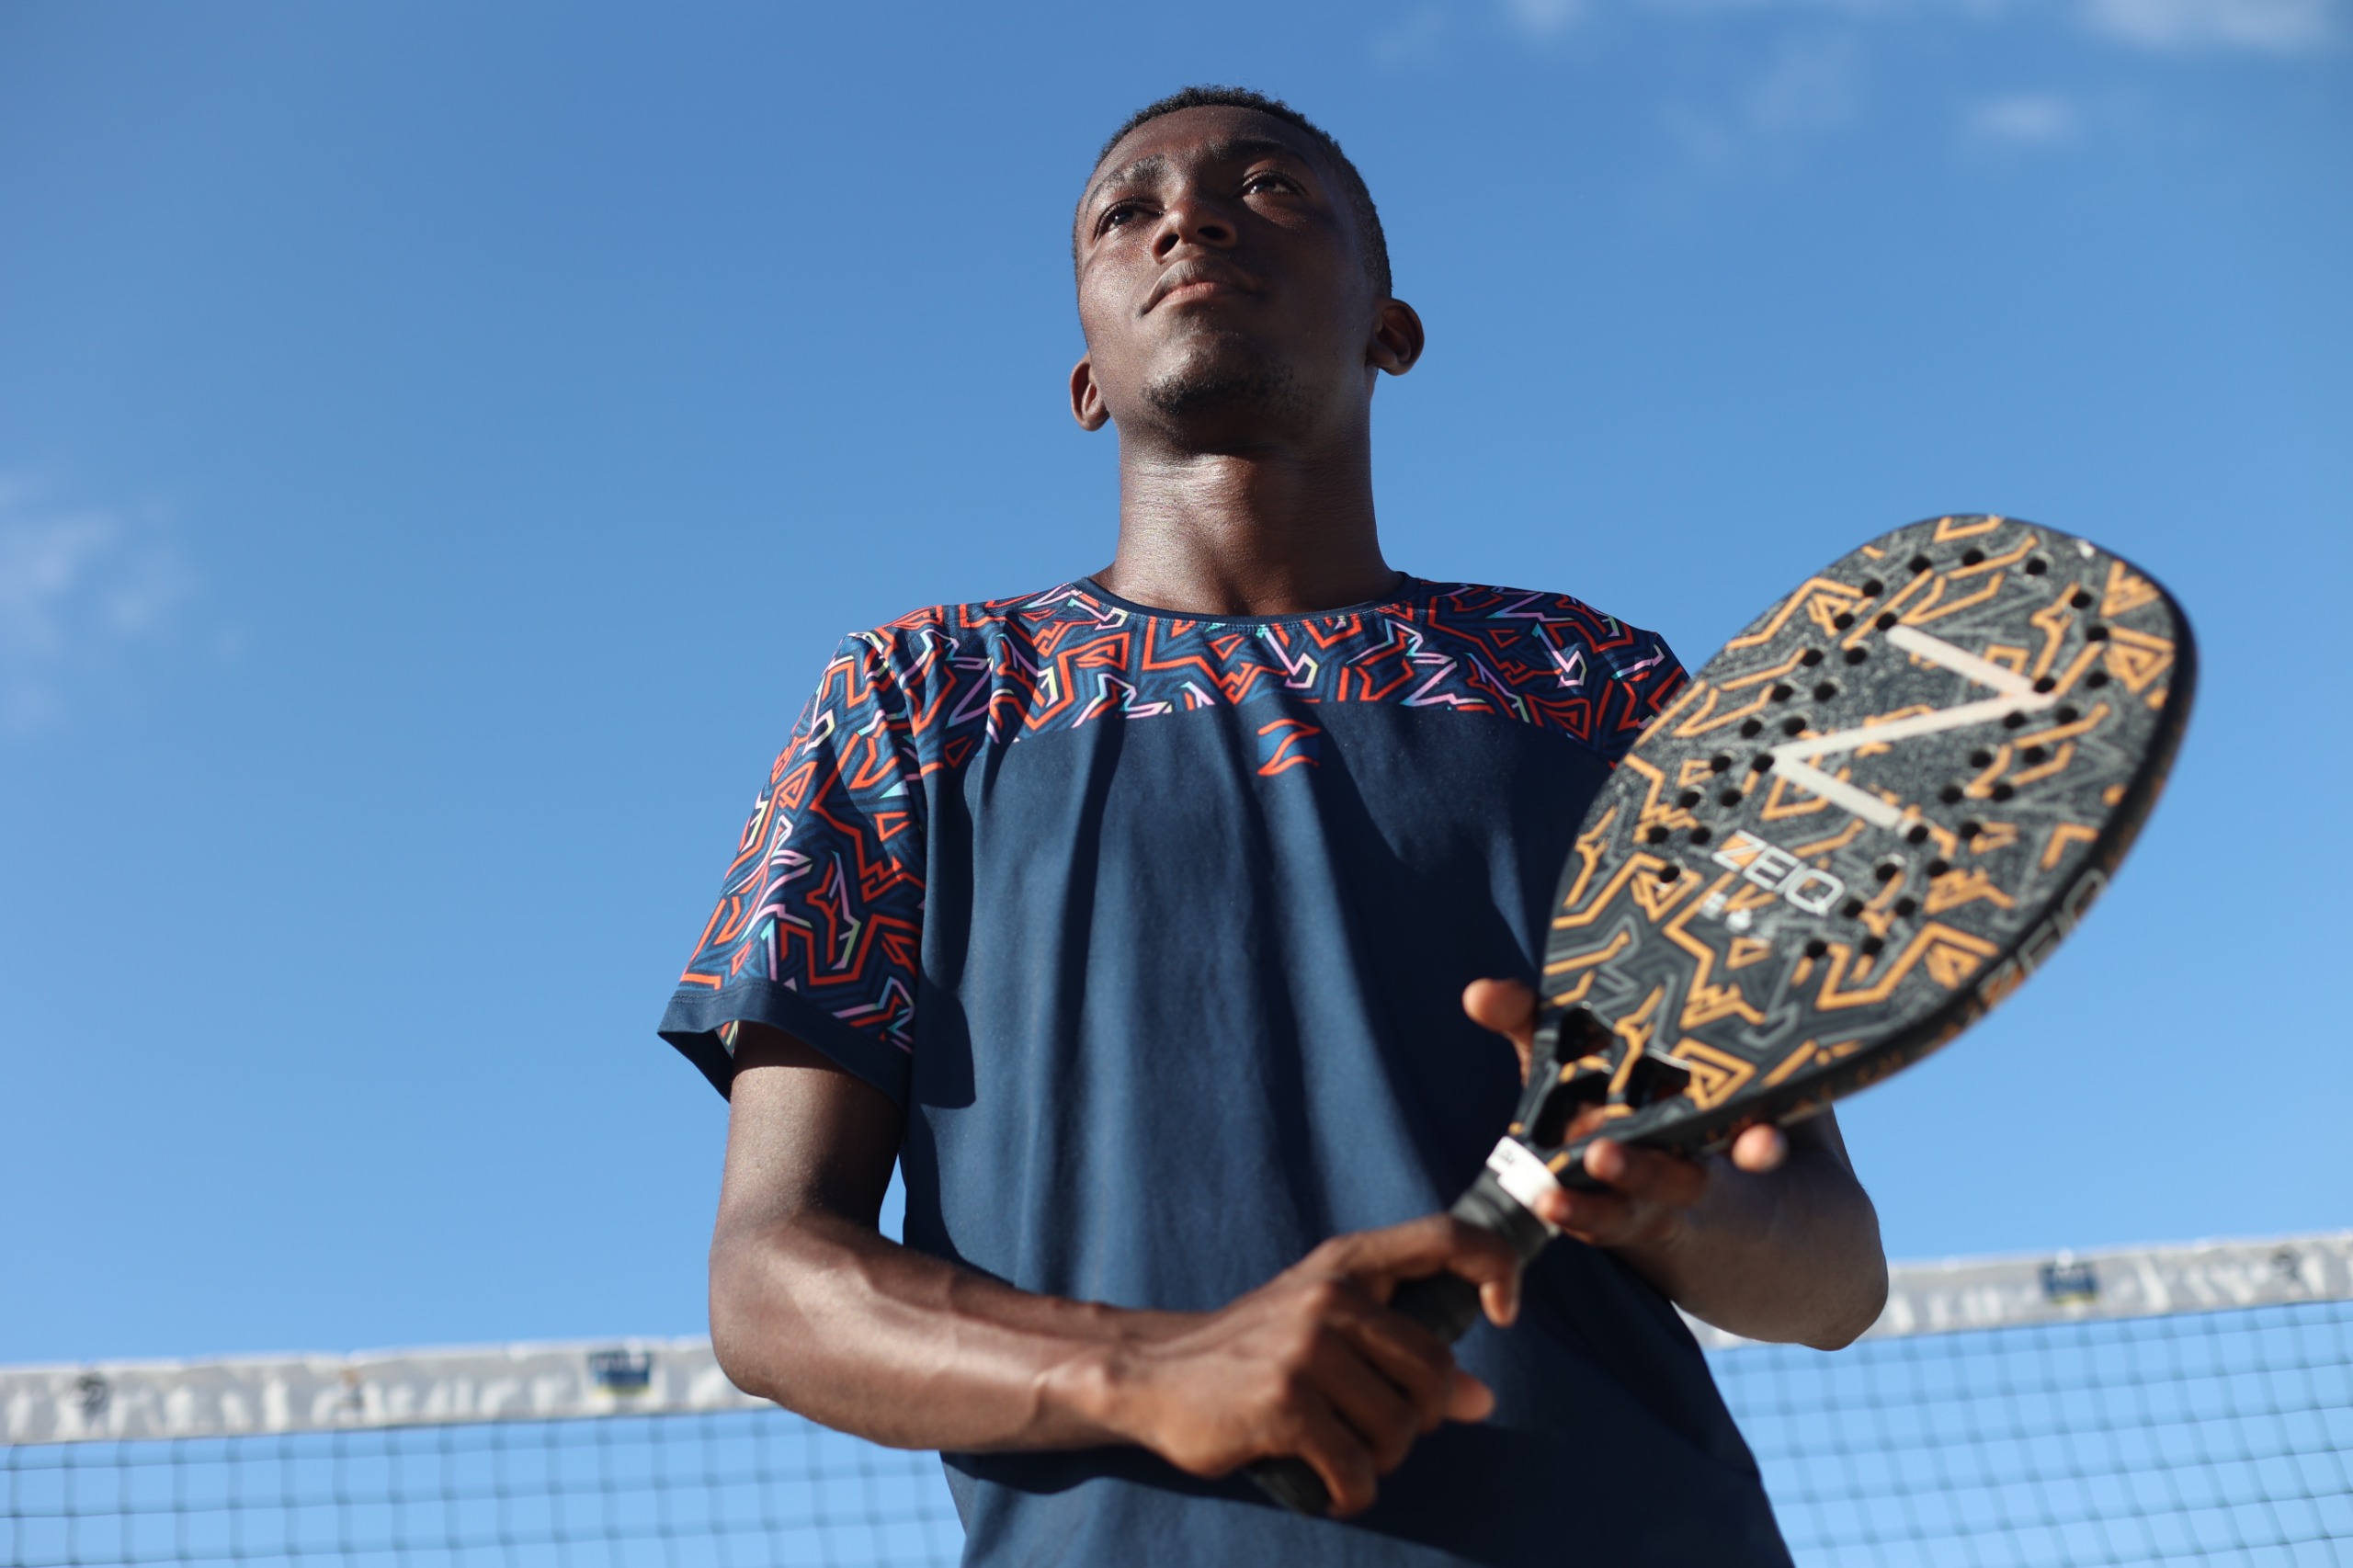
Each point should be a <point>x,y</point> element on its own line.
<point>1234,148</point>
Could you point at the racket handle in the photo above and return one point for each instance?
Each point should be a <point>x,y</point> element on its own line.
<point>1294,1483</point>
<point>1446,1304</point>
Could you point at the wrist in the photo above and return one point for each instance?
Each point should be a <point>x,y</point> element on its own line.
<point>1102,1392</point>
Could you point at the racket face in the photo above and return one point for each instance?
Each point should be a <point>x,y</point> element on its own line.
<point>1866,820</point>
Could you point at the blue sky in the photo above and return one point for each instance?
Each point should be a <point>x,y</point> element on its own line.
<point>439,444</point>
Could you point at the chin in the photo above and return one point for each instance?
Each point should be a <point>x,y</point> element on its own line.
<point>1223,381</point>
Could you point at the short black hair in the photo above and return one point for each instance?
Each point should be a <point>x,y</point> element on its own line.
<point>1368,216</point>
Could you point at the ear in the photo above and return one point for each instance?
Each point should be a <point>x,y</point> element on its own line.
<point>1086,398</point>
<point>1397,338</point>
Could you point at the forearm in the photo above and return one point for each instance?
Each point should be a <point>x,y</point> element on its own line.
<point>828,1318</point>
<point>1791,1254</point>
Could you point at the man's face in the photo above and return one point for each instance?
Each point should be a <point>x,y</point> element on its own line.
<point>1222,286</point>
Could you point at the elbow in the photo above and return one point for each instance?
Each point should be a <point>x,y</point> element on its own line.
<point>1862,1295</point>
<point>1866,1299</point>
<point>738,1310</point>
<point>774,1285</point>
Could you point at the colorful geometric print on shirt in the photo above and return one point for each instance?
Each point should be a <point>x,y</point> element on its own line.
<point>825,896</point>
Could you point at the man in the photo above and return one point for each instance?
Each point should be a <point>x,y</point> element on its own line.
<point>1135,919</point>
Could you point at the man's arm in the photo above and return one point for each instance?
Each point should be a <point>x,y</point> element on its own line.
<point>812,1307</point>
<point>1776,1240</point>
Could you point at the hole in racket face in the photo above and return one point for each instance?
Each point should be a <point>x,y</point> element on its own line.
<point>1568,1110</point>
<point>1579,1095</point>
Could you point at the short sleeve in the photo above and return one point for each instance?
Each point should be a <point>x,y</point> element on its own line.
<point>819,922</point>
<point>1647,676</point>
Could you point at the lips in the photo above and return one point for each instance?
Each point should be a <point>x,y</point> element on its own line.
<point>1199,280</point>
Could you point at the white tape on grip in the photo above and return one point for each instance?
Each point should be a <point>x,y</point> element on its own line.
<point>1521,1172</point>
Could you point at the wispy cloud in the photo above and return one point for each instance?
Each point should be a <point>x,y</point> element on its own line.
<point>78,586</point>
<point>1543,18</point>
<point>1412,38</point>
<point>2278,26</point>
<point>2022,120</point>
<point>1809,88</point>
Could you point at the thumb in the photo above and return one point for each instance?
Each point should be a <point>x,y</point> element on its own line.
<point>1509,1009</point>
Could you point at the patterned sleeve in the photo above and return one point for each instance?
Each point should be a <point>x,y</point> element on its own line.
<point>820,916</point>
<point>1645,670</point>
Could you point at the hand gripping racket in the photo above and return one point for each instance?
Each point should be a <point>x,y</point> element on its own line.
<point>1864,822</point>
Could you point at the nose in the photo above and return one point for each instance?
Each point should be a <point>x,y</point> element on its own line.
<point>1196,220</point>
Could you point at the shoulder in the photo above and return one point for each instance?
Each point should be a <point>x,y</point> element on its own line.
<point>1616,649</point>
<point>1561,663</point>
<point>934,671</point>
<point>931,645</point>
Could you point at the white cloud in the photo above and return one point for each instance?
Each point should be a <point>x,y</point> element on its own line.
<point>1809,87</point>
<point>2022,120</point>
<point>77,585</point>
<point>2281,26</point>
<point>1411,38</point>
<point>1543,18</point>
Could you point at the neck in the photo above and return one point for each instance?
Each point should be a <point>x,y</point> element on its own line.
<point>1258,533</point>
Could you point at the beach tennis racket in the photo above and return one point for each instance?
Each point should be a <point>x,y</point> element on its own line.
<point>1864,822</point>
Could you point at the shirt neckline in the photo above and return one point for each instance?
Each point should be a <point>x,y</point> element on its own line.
<point>1409,589</point>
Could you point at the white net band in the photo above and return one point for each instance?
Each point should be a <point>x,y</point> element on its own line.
<point>649,1377</point>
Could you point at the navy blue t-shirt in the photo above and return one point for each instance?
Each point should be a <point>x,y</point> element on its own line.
<point>1157,926</point>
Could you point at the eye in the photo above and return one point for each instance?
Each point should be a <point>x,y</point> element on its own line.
<point>1117,216</point>
<point>1268,179</point>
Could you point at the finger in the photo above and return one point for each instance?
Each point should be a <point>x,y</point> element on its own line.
<point>1507,1007</point>
<point>1597,1219</point>
<point>1650,1174</point>
<point>1379,1259</point>
<point>1468,1399</point>
<point>1335,1453</point>
<point>1375,1408</point>
<point>1761,1149</point>
<point>1417,1362</point>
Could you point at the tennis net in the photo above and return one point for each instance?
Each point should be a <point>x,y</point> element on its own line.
<point>2172,1406</point>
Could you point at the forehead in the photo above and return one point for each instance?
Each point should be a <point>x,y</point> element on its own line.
<point>1208,134</point>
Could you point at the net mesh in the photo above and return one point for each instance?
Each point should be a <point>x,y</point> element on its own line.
<point>2209,1437</point>
<point>739,1489</point>
<point>2219,1436</point>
